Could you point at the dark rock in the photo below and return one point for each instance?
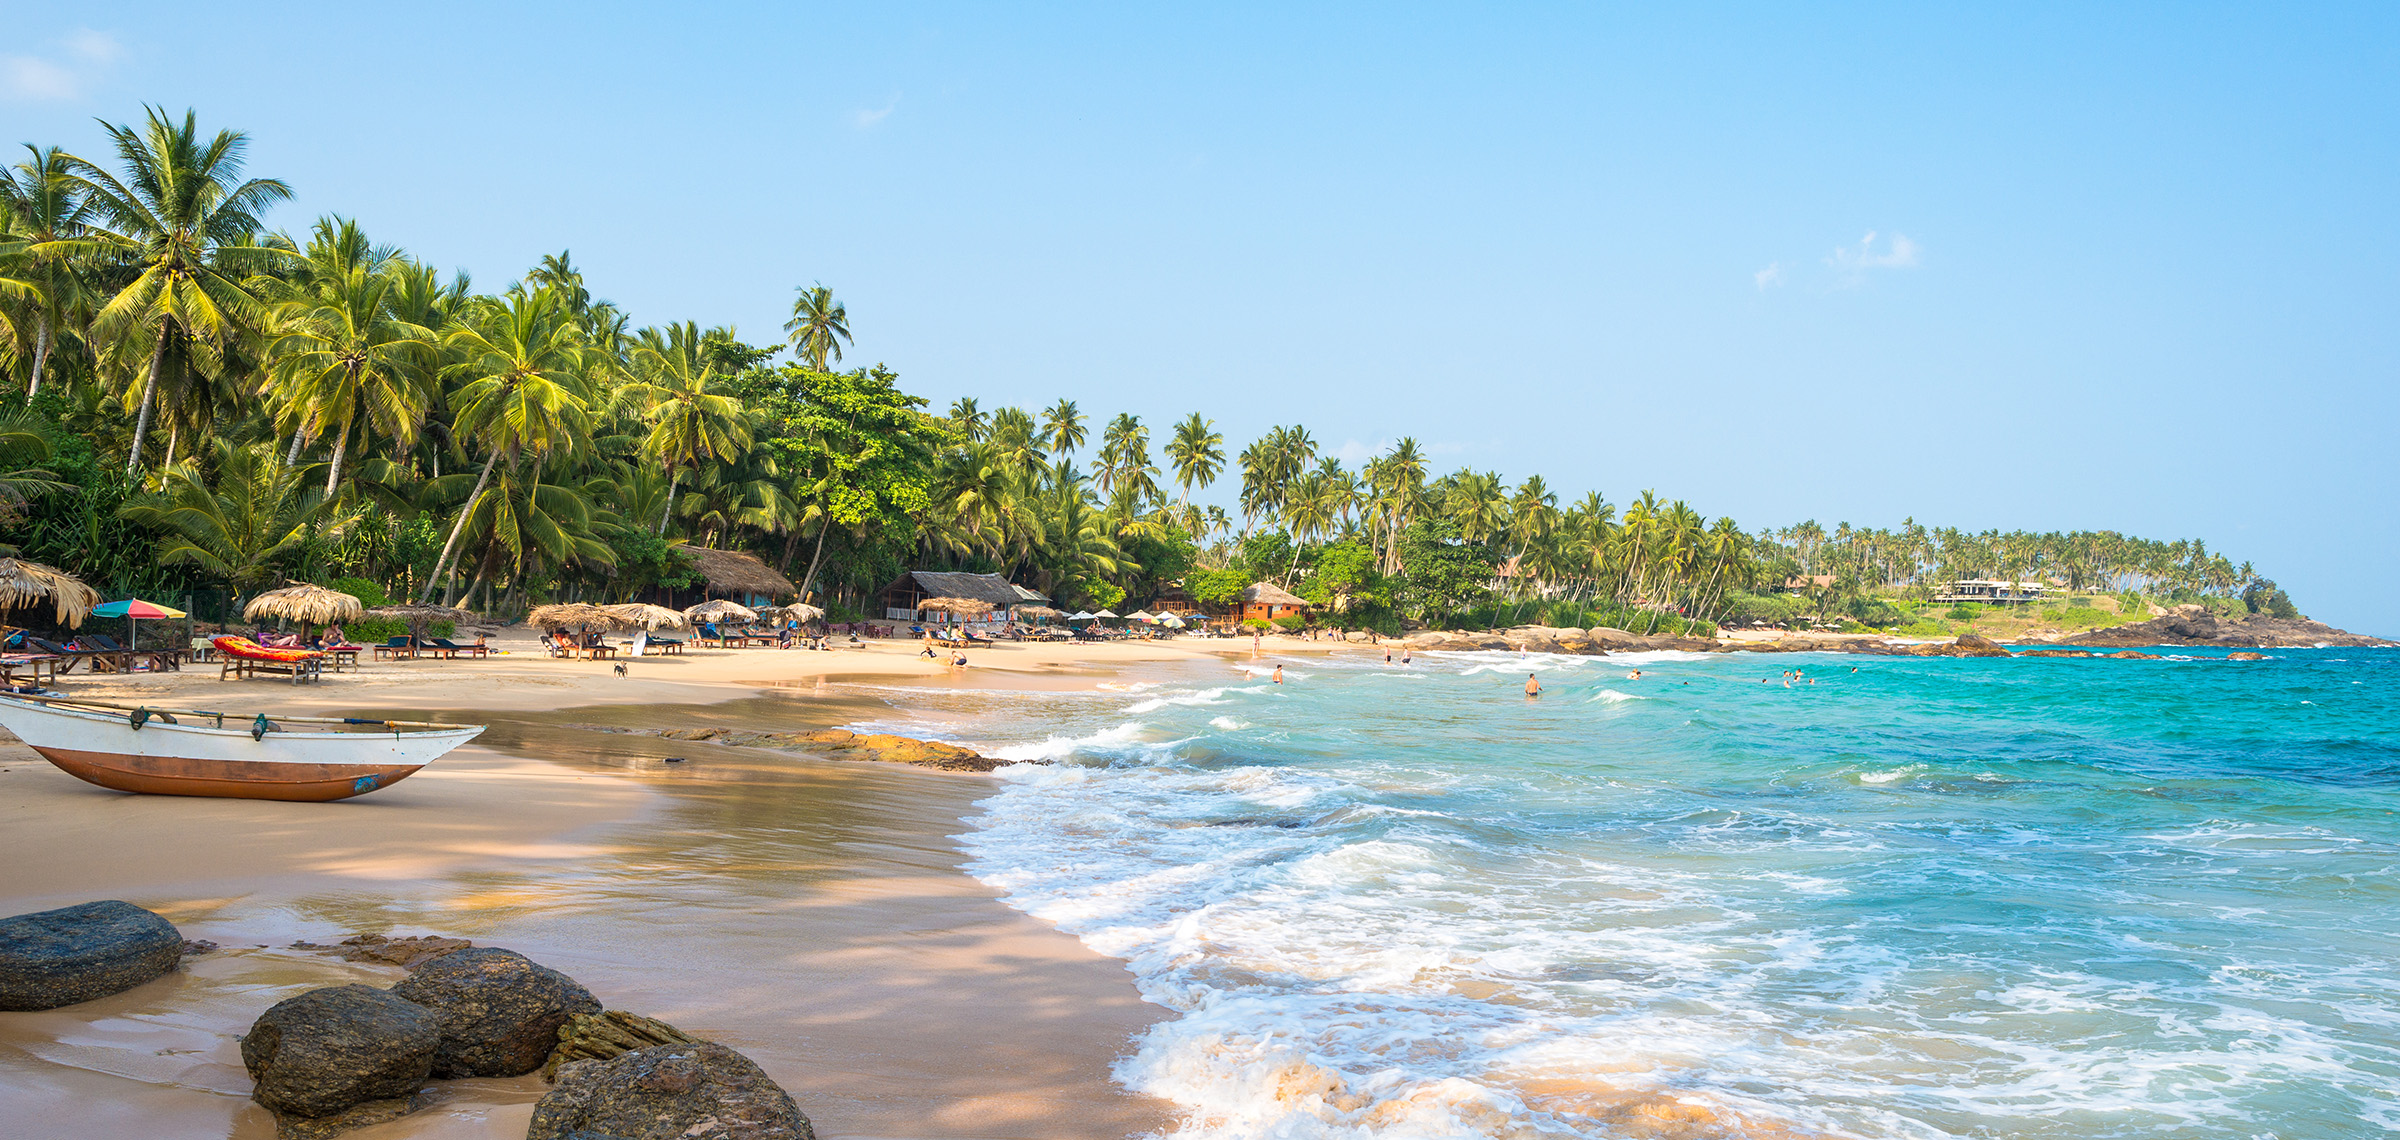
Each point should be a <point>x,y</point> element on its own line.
<point>690,1092</point>
<point>2245,657</point>
<point>1980,646</point>
<point>73,954</point>
<point>2195,625</point>
<point>2056,653</point>
<point>388,951</point>
<point>332,1049</point>
<point>499,1011</point>
<point>2131,655</point>
<point>290,1127</point>
<point>193,946</point>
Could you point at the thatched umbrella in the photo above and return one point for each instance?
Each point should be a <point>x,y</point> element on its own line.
<point>23,583</point>
<point>304,603</point>
<point>797,611</point>
<point>956,605</point>
<point>576,614</point>
<point>721,610</point>
<point>1037,612</point>
<point>649,616</point>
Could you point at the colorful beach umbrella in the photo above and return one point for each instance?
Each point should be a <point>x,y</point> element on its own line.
<point>133,610</point>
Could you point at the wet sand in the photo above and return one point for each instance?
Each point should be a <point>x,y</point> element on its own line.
<point>810,913</point>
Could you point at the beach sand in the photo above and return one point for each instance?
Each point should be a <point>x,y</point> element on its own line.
<point>810,913</point>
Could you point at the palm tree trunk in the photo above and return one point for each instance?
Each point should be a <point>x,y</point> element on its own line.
<point>674,480</point>
<point>814,559</point>
<point>291,455</point>
<point>450,547</point>
<point>41,353</point>
<point>341,447</point>
<point>141,421</point>
<point>174,433</point>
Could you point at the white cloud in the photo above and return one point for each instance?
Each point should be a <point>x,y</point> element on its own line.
<point>866,119</point>
<point>1770,277</point>
<point>1852,264</point>
<point>89,55</point>
<point>94,47</point>
<point>31,78</point>
<point>1353,453</point>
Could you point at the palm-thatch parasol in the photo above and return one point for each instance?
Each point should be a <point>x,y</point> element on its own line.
<point>304,603</point>
<point>721,610</point>
<point>956,605</point>
<point>582,615</point>
<point>649,616</point>
<point>23,583</point>
<point>797,611</point>
<point>1037,612</point>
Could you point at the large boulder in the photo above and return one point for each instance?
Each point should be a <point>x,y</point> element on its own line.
<point>59,957</point>
<point>1977,645</point>
<point>703,1091</point>
<point>499,1011</point>
<point>330,1049</point>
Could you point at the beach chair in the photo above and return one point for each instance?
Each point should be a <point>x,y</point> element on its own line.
<point>453,649</point>
<point>639,646</point>
<point>396,648</point>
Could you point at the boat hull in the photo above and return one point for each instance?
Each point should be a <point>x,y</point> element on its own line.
<point>194,760</point>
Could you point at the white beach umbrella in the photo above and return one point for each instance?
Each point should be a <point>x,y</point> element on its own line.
<point>1085,615</point>
<point>1104,614</point>
<point>1140,615</point>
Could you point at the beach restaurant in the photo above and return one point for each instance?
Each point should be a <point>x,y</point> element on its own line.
<point>733,575</point>
<point>906,595</point>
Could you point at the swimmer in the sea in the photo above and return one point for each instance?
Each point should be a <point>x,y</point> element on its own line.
<point>1533,685</point>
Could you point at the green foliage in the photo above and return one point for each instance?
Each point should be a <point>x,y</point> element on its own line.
<point>2079,602</point>
<point>1290,622</point>
<point>368,593</point>
<point>1441,572</point>
<point>645,560</point>
<point>374,631</point>
<point>1096,595</point>
<point>1965,611</point>
<point>2263,596</point>
<point>1259,624</point>
<point>1216,587</point>
<point>2132,607</point>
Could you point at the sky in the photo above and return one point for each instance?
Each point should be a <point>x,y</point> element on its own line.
<point>2049,267</point>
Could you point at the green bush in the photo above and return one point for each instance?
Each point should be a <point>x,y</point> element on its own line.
<point>1259,624</point>
<point>2080,602</point>
<point>1290,622</point>
<point>1926,627</point>
<point>368,593</point>
<point>372,631</point>
<point>1965,611</point>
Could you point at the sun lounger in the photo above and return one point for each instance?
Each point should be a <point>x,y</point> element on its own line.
<point>27,668</point>
<point>454,649</point>
<point>245,658</point>
<point>396,648</point>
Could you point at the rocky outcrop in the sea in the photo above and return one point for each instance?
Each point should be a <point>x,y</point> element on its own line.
<point>500,1011</point>
<point>703,1091</point>
<point>830,743</point>
<point>2195,625</point>
<point>74,954</point>
<point>333,1049</point>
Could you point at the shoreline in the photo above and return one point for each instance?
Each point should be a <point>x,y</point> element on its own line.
<point>814,914</point>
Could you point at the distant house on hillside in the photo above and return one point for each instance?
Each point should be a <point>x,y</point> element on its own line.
<point>1992,591</point>
<point>733,574</point>
<point>903,597</point>
<point>1807,582</point>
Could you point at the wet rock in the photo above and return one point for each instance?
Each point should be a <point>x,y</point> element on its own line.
<point>335,1048</point>
<point>388,951</point>
<point>833,744</point>
<point>2245,656</point>
<point>2195,625</point>
<point>599,1036</point>
<point>2134,655</point>
<point>2056,653</point>
<point>1977,645</point>
<point>499,1011</point>
<point>290,1127</point>
<point>73,954</point>
<point>691,1092</point>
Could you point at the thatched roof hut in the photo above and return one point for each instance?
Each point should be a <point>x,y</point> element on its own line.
<point>971,607</point>
<point>23,583</point>
<point>303,602</point>
<point>1268,601</point>
<point>909,592</point>
<point>733,574</point>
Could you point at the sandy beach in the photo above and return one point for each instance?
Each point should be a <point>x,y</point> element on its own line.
<point>810,913</point>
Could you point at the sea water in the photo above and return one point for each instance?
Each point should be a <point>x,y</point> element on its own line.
<point>2037,898</point>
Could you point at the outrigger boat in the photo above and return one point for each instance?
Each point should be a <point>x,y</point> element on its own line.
<point>189,752</point>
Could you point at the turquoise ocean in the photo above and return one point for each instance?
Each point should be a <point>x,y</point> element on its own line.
<point>2030,898</point>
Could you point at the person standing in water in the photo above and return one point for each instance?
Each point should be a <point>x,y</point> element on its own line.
<point>1533,685</point>
<point>1279,674</point>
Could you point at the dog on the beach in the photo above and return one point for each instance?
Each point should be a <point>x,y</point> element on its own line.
<point>621,669</point>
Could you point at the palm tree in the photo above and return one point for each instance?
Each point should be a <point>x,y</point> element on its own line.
<point>818,328</point>
<point>967,418</point>
<point>691,419</point>
<point>181,217</point>
<point>1062,428</point>
<point>257,515</point>
<point>44,210</point>
<point>339,356</point>
<point>524,361</point>
<point>1198,452</point>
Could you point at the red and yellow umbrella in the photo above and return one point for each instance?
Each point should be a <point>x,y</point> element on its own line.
<point>133,610</point>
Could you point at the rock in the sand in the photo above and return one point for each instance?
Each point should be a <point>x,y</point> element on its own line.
<point>499,1011</point>
<point>690,1092</point>
<point>389,951</point>
<point>59,957</point>
<point>331,1049</point>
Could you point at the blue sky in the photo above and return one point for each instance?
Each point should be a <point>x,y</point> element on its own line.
<point>2043,267</point>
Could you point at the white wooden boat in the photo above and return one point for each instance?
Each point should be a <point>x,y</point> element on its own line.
<point>186,752</point>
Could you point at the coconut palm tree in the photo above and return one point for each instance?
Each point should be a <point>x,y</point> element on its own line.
<point>258,514</point>
<point>819,327</point>
<point>1062,428</point>
<point>524,363</point>
<point>691,418</point>
<point>967,419</point>
<point>342,361</point>
<point>44,210</point>
<point>180,217</point>
<point>1198,453</point>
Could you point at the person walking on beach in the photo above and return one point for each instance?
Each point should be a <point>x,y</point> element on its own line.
<point>1533,685</point>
